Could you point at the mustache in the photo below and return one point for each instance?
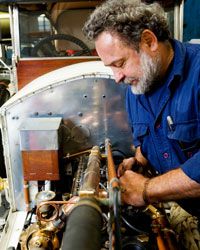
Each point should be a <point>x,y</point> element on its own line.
<point>129,80</point>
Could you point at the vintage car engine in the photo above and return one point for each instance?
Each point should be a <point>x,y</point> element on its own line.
<point>90,216</point>
<point>64,136</point>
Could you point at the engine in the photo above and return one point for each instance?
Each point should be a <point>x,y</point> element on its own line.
<point>65,135</point>
<point>89,215</point>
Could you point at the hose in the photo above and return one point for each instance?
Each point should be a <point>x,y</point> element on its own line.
<point>83,227</point>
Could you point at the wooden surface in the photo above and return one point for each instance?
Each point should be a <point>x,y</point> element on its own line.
<point>30,69</point>
<point>40,165</point>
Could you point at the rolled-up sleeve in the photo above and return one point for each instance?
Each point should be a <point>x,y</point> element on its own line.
<point>192,167</point>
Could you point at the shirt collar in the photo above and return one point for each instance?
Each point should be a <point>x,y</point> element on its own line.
<point>178,61</point>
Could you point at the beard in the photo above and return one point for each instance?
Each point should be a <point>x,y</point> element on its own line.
<point>151,68</point>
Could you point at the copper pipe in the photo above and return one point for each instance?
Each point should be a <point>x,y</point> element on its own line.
<point>160,243</point>
<point>165,237</point>
<point>77,154</point>
<point>112,176</point>
<point>114,184</point>
<point>167,234</point>
<point>56,205</point>
<point>156,228</point>
<point>26,195</point>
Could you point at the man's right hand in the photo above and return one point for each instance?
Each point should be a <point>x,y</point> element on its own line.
<point>127,164</point>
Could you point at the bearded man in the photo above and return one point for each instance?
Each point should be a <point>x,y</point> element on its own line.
<point>163,100</point>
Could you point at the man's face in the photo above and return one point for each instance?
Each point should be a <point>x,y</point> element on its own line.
<point>139,70</point>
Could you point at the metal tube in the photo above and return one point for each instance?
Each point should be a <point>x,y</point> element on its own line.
<point>92,175</point>
<point>165,237</point>
<point>112,176</point>
<point>26,195</point>
<point>114,197</point>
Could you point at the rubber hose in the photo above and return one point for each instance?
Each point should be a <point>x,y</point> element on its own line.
<point>83,231</point>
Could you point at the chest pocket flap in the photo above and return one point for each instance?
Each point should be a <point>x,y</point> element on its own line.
<point>140,130</point>
<point>186,131</point>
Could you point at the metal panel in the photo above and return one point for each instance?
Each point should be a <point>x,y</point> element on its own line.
<point>90,104</point>
<point>40,134</point>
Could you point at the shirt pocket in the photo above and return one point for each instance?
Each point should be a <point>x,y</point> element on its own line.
<point>187,135</point>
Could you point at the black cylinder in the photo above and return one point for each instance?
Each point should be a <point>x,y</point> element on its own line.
<point>84,225</point>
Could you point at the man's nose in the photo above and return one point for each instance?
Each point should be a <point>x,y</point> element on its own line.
<point>119,76</point>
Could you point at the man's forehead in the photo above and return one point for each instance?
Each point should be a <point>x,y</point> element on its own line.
<point>108,38</point>
<point>112,50</point>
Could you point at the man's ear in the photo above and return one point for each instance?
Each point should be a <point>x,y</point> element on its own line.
<point>149,40</point>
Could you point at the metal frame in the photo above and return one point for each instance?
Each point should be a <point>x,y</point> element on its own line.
<point>178,21</point>
<point>12,230</point>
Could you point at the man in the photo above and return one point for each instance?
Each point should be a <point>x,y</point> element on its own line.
<point>162,100</point>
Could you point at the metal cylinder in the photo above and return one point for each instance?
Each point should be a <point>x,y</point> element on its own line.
<point>92,173</point>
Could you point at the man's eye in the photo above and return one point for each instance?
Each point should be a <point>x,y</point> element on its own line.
<point>120,65</point>
<point>123,64</point>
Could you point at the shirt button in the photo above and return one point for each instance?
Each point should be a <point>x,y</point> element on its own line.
<point>158,125</point>
<point>165,155</point>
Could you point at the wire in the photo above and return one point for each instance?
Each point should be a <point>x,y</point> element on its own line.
<point>102,186</point>
<point>132,227</point>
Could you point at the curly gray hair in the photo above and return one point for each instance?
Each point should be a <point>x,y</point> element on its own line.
<point>128,19</point>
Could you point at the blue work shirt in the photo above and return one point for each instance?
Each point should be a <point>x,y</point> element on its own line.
<point>169,145</point>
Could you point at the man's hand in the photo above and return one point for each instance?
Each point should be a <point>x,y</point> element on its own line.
<point>127,164</point>
<point>133,185</point>
<point>173,185</point>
